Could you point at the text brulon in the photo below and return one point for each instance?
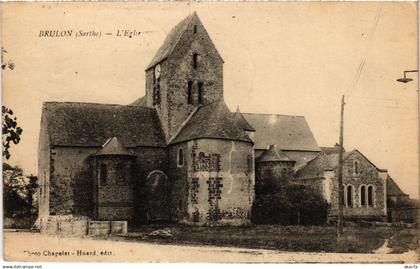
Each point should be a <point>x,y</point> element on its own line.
<point>122,33</point>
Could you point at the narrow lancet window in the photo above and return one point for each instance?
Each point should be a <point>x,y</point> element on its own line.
<point>200,93</point>
<point>190,92</point>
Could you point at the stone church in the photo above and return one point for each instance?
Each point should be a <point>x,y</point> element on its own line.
<point>178,153</point>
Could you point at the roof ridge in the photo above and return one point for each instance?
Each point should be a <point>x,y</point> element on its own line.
<point>183,30</point>
<point>113,146</point>
<point>210,137</point>
<point>219,115</point>
<point>184,123</point>
<point>97,104</point>
<point>183,26</point>
<point>91,124</point>
<point>392,181</point>
<point>274,154</point>
<point>106,142</point>
<point>242,122</point>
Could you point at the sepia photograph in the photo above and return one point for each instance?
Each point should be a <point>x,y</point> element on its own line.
<point>210,132</point>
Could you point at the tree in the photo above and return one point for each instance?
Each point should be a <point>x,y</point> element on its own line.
<point>11,131</point>
<point>18,192</point>
<point>4,64</point>
<point>288,204</point>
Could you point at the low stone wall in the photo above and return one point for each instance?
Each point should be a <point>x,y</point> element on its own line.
<point>100,228</point>
<point>64,225</point>
<point>404,214</point>
<point>80,226</point>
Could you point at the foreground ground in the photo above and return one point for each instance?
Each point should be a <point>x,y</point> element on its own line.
<point>286,238</point>
<point>26,246</point>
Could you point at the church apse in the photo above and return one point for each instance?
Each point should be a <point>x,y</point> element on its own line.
<point>113,179</point>
<point>220,182</point>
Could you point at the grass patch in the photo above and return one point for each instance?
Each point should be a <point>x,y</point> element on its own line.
<point>404,240</point>
<point>286,238</point>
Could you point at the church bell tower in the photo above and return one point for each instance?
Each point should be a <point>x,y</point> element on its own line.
<point>185,73</point>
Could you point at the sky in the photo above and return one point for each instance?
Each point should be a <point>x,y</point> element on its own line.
<point>280,58</point>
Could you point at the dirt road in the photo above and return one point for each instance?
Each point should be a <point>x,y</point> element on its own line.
<point>25,246</point>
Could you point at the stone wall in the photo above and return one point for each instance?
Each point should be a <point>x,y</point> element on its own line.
<point>148,159</point>
<point>179,179</point>
<point>220,182</point>
<point>64,225</point>
<point>177,70</point>
<point>317,184</point>
<point>71,176</point>
<point>277,173</point>
<point>115,197</point>
<point>162,107</point>
<point>43,171</point>
<point>404,214</point>
<point>368,176</point>
<point>71,184</point>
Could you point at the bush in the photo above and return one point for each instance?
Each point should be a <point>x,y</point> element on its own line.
<point>289,204</point>
<point>273,208</point>
<point>19,193</point>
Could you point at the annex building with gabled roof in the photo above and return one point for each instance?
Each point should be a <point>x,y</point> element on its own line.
<point>364,184</point>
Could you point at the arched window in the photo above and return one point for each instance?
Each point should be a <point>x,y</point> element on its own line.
<point>370,196</point>
<point>200,93</point>
<point>362,196</point>
<point>190,92</point>
<point>180,157</point>
<point>103,174</point>
<point>158,93</point>
<point>356,167</point>
<point>195,60</point>
<point>349,196</point>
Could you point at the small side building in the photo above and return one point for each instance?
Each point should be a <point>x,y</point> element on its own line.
<point>400,207</point>
<point>95,160</point>
<point>364,184</point>
<point>291,134</point>
<point>113,182</point>
<point>273,168</point>
<point>212,164</point>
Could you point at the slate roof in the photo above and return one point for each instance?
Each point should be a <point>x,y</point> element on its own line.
<point>287,132</point>
<point>392,189</point>
<point>90,125</point>
<point>243,123</point>
<point>273,155</point>
<point>171,41</point>
<point>113,146</point>
<point>173,38</point>
<point>301,157</point>
<point>140,102</point>
<point>334,149</point>
<point>212,121</point>
<point>324,161</point>
<point>327,160</point>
